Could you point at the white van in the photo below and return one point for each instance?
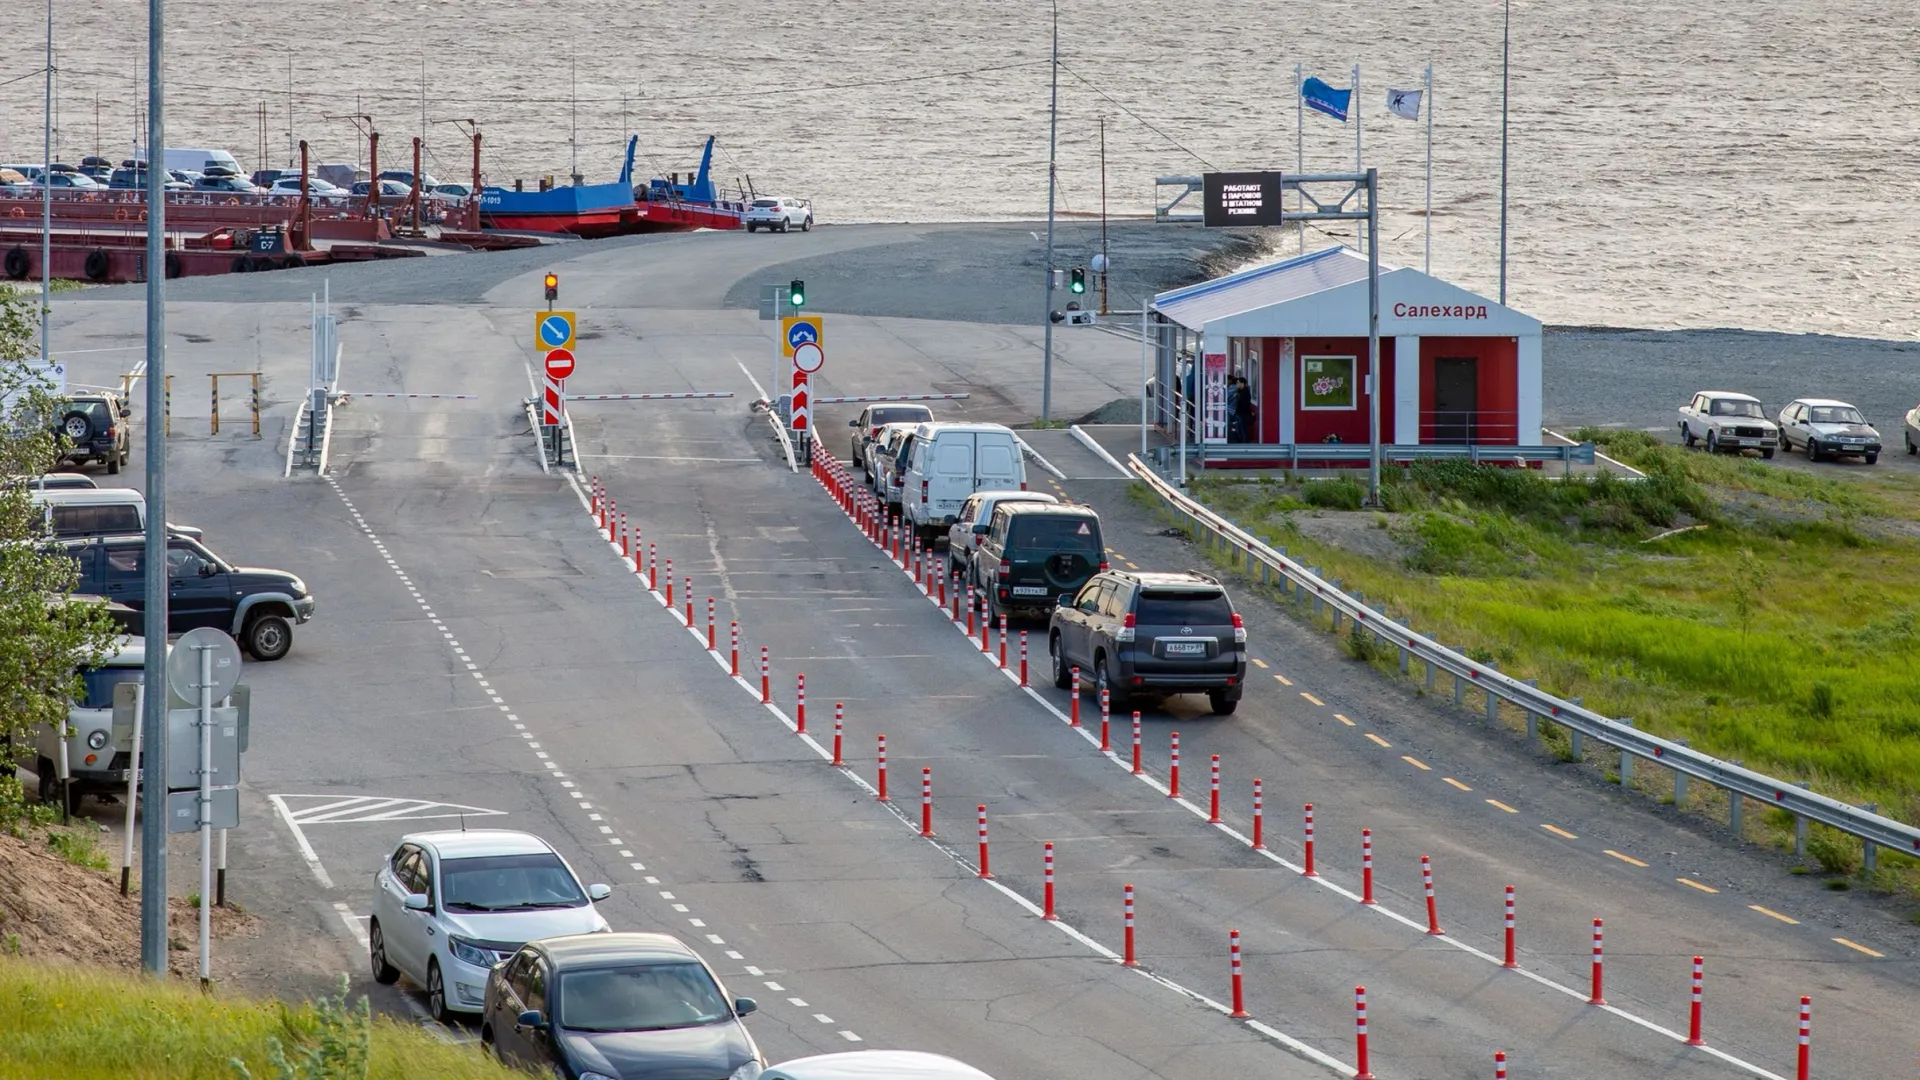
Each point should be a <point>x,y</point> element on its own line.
<point>78,512</point>
<point>194,159</point>
<point>948,462</point>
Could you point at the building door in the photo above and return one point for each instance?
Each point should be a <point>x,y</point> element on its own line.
<point>1456,397</point>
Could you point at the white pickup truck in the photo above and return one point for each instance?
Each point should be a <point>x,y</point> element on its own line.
<point>1725,420</point>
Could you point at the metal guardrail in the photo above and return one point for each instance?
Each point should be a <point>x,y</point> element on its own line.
<point>1292,454</point>
<point>1873,830</point>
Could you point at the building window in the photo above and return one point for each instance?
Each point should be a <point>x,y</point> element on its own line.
<point>1327,383</point>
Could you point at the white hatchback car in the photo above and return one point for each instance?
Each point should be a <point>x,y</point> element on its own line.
<point>447,906</point>
<point>779,215</point>
<point>970,527</point>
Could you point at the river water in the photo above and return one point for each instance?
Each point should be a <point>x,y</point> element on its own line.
<point>1752,164</point>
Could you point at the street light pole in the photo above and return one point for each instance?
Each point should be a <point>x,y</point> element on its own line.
<point>1506,38</point>
<point>153,758</point>
<point>1046,314</point>
<point>46,216</point>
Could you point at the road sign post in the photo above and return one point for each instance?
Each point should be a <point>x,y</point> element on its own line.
<point>801,344</point>
<point>553,336</point>
<point>204,665</point>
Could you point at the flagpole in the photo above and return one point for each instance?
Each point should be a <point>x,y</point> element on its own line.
<point>1300,146</point>
<point>1357,117</point>
<point>1506,39</point>
<point>1429,97</point>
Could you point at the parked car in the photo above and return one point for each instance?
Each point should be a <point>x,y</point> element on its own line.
<point>883,461</point>
<point>448,906</point>
<point>1150,634</point>
<point>625,1006</point>
<point>13,179</point>
<point>99,512</point>
<point>779,214</point>
<point>266,178</point>
<point>969,527</point>
<point>1911,430</point>
<point>316,187</point>
<point>95,763</point>
<point>258,607</point>
<point>388,189</point>
<point>54,481</point>
<point>867,425</point>
<point>948,462</point>
<point>93,427</point>
<point>453,191</point>
<point>1823,426</point>
<point>874,1065</point>
<point>132,179</point>
<point>74,180</point>
<point>225,185</point>
<point>1033,554</point>
<point>1725,420</point>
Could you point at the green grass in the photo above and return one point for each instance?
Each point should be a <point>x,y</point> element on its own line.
<point>1783,637</point>
<point>84,1024</point>
<point>79,847</point>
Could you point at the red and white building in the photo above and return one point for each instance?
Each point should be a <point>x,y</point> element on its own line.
<point>1455,368</point>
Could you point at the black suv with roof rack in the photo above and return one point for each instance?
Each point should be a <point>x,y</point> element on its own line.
<point>1144,635</point>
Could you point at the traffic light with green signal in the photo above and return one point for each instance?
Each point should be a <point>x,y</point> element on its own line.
<point>1079,282</point>
<point>797,293</point>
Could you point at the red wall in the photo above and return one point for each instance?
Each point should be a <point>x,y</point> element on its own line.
<point>1269,390</point>
<point>1312,426</point>
<point>1498,383</point>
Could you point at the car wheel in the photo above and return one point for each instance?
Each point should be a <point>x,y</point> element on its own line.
<point>1813,450</point>
<point>437,994</point>
<point>1104,680</point>
<point>268,637</point>
<point>1686,436</point>
<point>1221,704</point>
<point>1911,449</point>
<point>1873,459</point>
<point>486,1041</point>
<point>751,227</point>
<point>50,787</point>
<point>1713,443</point>
<point>76,427</point>
<point>1062,677</point>
<point>383,973</point>
<point>807,225</point>
<point>1767,453</point>
<point>113,464</point>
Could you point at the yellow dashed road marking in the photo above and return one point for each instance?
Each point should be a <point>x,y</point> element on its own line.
<point>1565,833</point>
<point>1457,783</point>
<point>1377,740</point>
<point>1342,718</point>
<point>1259,663</point>
<point>1313,699</point>
<point>1772,914</point>
<point>1133,566</point>
<point>1858,947</point>
<point>1625,858</point>
<point>1497,804</point>
<point>1692,884</point>
<point>1416,763</point>
<point>1284,681</point>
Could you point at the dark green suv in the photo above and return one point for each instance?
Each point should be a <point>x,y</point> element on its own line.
<point>259,607</point>
<point>1035,553</point>
<point>93,427</point>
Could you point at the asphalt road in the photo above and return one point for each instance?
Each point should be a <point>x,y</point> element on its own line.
<point>479,650</point>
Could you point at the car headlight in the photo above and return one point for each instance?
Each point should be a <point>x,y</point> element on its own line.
<point>299,587</point>
<point>750,1071</point>
<point>96,740</point>
<point>463,949</point>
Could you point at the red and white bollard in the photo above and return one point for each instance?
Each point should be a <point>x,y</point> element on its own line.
<point>800,704</point>
<point>1023,658</point>
<point>636,550</point>
<point>1308,870</point>
<point>1499,1065</point>
<point>1127,958</point>
<point>733,648</point>
<point>611,526</point>
<point>626,537</point>
<point>1106,714</point>
<point>1173,771</point>
<point>1073,708</point>
<point>1003,642</point>
<point>687,591</point>
<point>1509,961</point>
<point>1233,962</point>
<point>1693,1018</point>
<point>1597,998</point>
<point>1433,910</point>
<point>1363,1068</point>
<point>766,679</point>
<point>1366,866</point>
<point>926,800</point>
<point>984,871</point>
<point>1137,770</point>
<point>1258,844</point>
<point>1046,895</point>
<point>669,585</point>
<point>839,728</point>
<point>593,497</point>
<point>970,609</point>
<point>880,794</point>
<point>1213,792</point>
<point>710,641</point>
<point>986,624</point>
<point>944,575</point>
<point>1806,1038</point>
<point>653,566</point>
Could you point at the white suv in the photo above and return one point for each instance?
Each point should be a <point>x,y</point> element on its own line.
<point>779,215</point>
<point>447,906</point>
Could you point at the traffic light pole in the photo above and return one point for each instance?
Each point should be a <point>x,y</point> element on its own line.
<point>1046,309</point>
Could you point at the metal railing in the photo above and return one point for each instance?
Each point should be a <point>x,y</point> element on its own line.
<point>1290,455</point>
<point>1305,584</point>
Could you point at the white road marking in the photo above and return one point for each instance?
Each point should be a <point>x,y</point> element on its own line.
<point>300,838</point>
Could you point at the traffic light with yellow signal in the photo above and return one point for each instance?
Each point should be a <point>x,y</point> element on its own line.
<point>553,287</point>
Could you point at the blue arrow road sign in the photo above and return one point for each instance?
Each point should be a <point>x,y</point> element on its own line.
<point>556,331</point>
<point>801,333</point>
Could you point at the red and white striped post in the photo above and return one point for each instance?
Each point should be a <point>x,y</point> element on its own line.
<point>839,728</point>
<point>653,566</point>
<point>1597,998</point>
<point>1173,770</point>
<point>926,800</point>
<point>733,648</point>
<point>626,537</point>
<point>710,640</point>
<point>1258,844</point>
<point>1213,792</point>
<point>687,591</point>
<point>1693,1018</point>
<point>970,610</point>
<point>1073,708</point>
<point>593,497</point>
<point>1023,658</point>
<point>986,624</point>
<point>669,585</point>
<point>1003,642</point>
<point>1233,963</point>
<point>766,679</point>
<point>800,704</point>
<point>1126,957</point>
<point>1046,894</point>
<point>944,575</point>
<point>1499,1065</point>
<point>1106,714</point>
<point>1308,870</point>
<point>1509,960</point>
<point>1363,1069</point>
<point>636,549</point>
<point>612,526</point>
<point>984,871</point>
<point>1366,866</point>
<point>1136,743</point>
<point>1433,910</point>
<point>1806,1038</point>
<point>880,794</point>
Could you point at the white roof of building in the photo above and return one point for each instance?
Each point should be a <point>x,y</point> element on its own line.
<point>1324,294</point>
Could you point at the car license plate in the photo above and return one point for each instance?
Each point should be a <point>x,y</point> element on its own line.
<point>1029,590</point>
<point>1186,648</point>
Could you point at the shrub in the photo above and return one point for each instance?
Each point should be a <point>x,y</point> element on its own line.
<point>1832,852</point>
<point>1334,494</point>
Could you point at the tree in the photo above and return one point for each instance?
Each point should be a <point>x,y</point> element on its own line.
<point>43,641</point>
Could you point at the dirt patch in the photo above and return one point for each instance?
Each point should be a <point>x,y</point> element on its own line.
<point>1355,531</point>
<point>52,909</point>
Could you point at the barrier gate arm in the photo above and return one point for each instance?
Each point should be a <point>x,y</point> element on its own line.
<point>1866,825</point>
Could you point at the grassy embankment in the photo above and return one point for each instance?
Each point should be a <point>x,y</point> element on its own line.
<point>1782,633</point>
<point>78,1023</point>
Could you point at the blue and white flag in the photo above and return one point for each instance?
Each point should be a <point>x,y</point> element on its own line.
<point>1323,98</point>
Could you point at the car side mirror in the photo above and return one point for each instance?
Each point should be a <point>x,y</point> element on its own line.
<point>980,530</point>
<point>417,902</point>
<point>532,1019</point>
<point>206,569</point>
<point>599,892</point>
<point>126,413</point>
<point>744,1006</point>
<point>855,422</point>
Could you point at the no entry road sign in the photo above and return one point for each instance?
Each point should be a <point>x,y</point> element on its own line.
<point>559,363</point>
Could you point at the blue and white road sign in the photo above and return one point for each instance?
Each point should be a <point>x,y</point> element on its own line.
<point>553,330</point>
<point>799,330</point>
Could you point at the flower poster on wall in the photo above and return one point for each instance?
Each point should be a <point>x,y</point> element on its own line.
<point>1326,382</point>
